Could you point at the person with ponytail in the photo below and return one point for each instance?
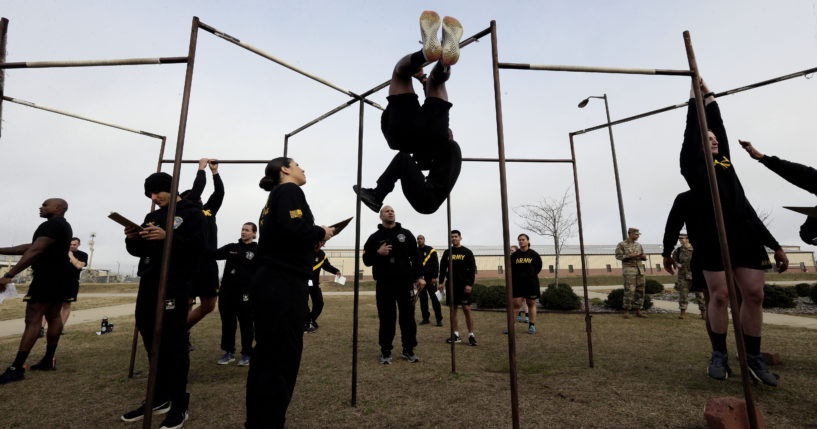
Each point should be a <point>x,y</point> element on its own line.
<point>278,292</point>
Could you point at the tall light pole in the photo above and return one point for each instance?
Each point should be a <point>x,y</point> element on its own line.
<point>615,163</point>
<point>91,250</point>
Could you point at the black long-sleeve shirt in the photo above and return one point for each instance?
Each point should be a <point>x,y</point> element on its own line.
<point>464,266</point>
<point>431,266</point>
<point>525,267</point>
<point>321,263</point>
<point>740,218</point>
<point>240,266</point>
<point>211,207</point>
<point>679,215</point>
<point>287,232</point>
<point>188,246</point>
<point>402,264</point>
<point>803,177</point>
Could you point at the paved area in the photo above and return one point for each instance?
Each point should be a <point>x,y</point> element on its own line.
<point>15,326</point>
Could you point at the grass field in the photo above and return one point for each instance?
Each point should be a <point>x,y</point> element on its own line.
<point>648,373</point>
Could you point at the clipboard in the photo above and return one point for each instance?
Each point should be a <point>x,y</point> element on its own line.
<point>808,211</point>
<point>341,225</point>
<point>122,220</point>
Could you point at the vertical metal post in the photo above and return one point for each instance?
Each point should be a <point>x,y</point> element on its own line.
<point>506,236</point>
<point>588,325</point>
<point>727,263</point>
<point>4,26</point>
<point>357,254</point>
<point>135,341</point>
<point>286,144</point>
<point>171,214</point>
<point>450,289</point>
<point>615,171</point>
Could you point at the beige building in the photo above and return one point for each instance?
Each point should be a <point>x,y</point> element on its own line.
<point>599,259</point>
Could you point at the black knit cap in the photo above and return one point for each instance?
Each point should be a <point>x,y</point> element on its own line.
<point>157,182</point>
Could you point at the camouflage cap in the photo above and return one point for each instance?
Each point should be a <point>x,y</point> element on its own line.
<point>633,230</point>
<point>682,236</point>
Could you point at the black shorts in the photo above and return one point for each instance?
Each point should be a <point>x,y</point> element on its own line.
<point>528,289</point>
<point>460,297</point>
<point>205,280</point>
<point>74,292</point>
<point>409,127</point>
<point>743,252</point>
<point>49,289</point>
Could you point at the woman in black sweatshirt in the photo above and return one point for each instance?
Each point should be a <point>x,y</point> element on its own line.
<point>278,292</point>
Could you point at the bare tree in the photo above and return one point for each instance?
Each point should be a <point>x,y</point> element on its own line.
<point>549,218</point>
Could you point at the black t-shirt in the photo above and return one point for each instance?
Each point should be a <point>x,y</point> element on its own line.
<point>241,264</point>
<point>465,267</point>
<point>53,263</point>
<point>525,267</point>
<point>82,257</point>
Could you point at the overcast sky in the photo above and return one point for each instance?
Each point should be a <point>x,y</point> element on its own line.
<point>242,105</point>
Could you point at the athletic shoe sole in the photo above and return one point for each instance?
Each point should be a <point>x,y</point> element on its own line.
<point>160,409</point>
<point>429,25</point>
<point>186,416</point>
<point>452,32</point>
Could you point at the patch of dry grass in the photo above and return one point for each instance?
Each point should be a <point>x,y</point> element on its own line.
<point>648,373</point>
<point>16,309</point>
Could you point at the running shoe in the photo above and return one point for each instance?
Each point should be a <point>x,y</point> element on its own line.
<point>519,318</point>
<point>408,354</point>
<point>505,331</point>
<point>527,319</point>
<point>472,341</point>
<point>440,322</point>
<point>44,365</point>
<point>227,358</point>
<point>452,32</point>
<point>42,333</point>
<point>455,339</point>
<point>245,360</point>
<point>429,25</point>
<point>139,413</point>
<point>311,328</point>
<point>385,358</point>
<point>368,197</point>
<point>424,322</point>
<point>174,419</point>
<point>12,374</point>
<point>532,330</point>
<point>760,372</point>
<point>718,366</point>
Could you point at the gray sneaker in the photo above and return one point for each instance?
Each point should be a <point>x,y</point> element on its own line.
<point>227,358</point>
<point>408,354</point>
<point>760,372</point>
<point>385,358</point>
<point>718,366</point>
<point>245,360</point>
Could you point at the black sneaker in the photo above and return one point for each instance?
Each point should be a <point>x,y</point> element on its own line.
<point>175,419</point>
<point>440,322</point>
<point>190,346</point>
<point>369,198</point>
<point>424,322</point>
<point>139,413</point>
<point>718,366</point>
<point>408,354</point>
<point>12,374</point>
<point>454,339</point>
<point>44,365</point>
<point>472,341</point>
<point>42,333</point>
<point>385,358</point>
<point>760,372</point>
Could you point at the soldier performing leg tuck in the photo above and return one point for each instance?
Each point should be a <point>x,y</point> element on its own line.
<point>234,294</point>
<point>52,285</point>
<point>147,243</point>
<point>746,235</point>
<point>431,267</point>
<point>393,254</point>
<point>630,253</point>
<point>421,133</point>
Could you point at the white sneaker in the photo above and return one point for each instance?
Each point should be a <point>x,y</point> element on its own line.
<point>452,32</point>
<point>429,24</point>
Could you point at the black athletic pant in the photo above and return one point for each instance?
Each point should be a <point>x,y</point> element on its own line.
<point>424,193</point>
<point>317,302</point>
<point>234,307</point>
<point>279,312</point>
<point>428,293</point>
<point>174,357</point>
<point>393,297</point>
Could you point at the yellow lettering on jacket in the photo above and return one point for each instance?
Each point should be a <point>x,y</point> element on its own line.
<point>524,260</point>
<point>458,257</point>
<point>207,212</point>
<point>294,214</point>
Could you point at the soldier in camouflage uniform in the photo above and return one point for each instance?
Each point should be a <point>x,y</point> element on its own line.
<point>630,253</point>
<point>682,257</point>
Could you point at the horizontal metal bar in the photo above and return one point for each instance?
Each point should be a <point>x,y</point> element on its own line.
<point>322,117</point>
<point>84,118</point>
<point>93,63</point>
<point>684,104</point>
<point>279,61</point>
<point>569,161</point>
<point>590,69</point>
<point>222,161</point>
